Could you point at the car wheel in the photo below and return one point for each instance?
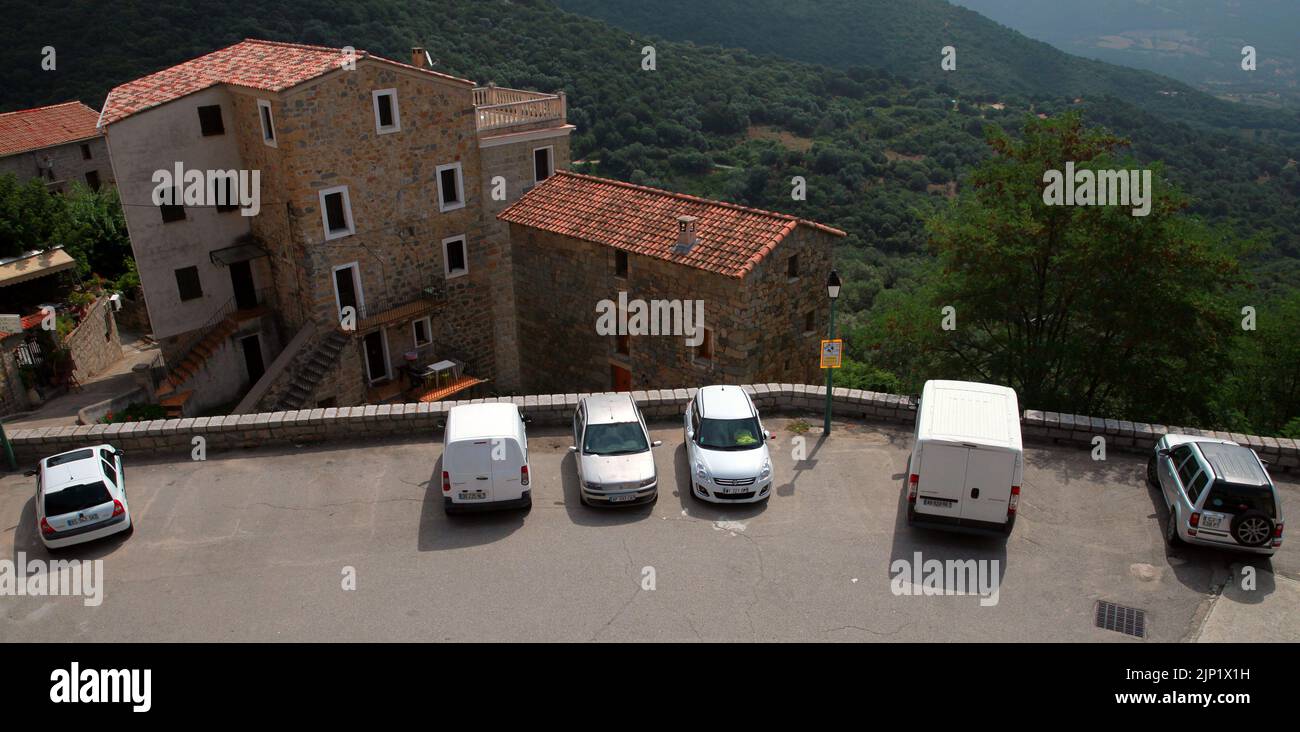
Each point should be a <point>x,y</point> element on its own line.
<point>1009,525</point>
<point>1171,531</point>
<point>1152,478</point>
<point>911,514</point>
<point>1252,528</point>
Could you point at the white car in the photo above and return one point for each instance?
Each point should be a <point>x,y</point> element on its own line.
<point>726,447</point>
<point>613,448</point>
<point>81,496</point>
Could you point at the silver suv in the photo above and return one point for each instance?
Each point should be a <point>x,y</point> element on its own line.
<point>1218,494</point>
<point>615,464</point>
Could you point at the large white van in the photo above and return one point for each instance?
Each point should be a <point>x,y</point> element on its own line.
<point>967,460</point>
<point>485,459</point>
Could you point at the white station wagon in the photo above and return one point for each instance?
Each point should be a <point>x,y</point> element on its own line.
<point>81,496</point>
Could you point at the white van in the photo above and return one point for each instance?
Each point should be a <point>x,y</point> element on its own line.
<point>485,459</point>
<point>967,461</point>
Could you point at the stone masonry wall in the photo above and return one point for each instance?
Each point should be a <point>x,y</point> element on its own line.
<point>419,421</point>
<point>94,343</point>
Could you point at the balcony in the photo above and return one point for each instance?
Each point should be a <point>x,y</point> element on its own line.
<point>378,311</point>
<point>500,109</point>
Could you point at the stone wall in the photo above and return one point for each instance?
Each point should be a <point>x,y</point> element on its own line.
<point>70,165</point>
<point>421,421</point>
<point>94,343</point>
<point>13,395</point>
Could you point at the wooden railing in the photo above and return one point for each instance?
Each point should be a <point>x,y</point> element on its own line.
<point>499,107</point>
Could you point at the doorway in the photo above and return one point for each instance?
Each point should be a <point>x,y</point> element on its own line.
<point>241,280</point>
<point>376,345</point>
<point>347,288</point>
<point>621,377</point>
<point>252,347</point>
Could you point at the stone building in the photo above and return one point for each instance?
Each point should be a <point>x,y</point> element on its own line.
<point>581,244</point>
<point>59,144</point>
<point>374,252</point>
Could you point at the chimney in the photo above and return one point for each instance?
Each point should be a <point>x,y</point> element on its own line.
<point>418,57</point>
<point>686,237</point>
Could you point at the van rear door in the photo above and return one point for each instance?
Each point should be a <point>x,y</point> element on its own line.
<point>989,475</point>
<point>506,471</point>
<point>471,471</point>
<point>941,479</point>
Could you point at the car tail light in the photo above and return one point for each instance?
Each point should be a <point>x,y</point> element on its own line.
<point>118,509</point>
<point>446,482</point>
<point>1014,502</point>
<point>523,475</point>
<point>912,482</point>
<point>46,528</point>
<point>1193,522</point>
<point>1277,534</point>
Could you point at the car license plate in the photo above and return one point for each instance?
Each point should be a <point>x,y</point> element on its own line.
<point>1211,521</point>
<point>83,518</point>
<point>936,502</point>
<point>473,495</point>
<point>622,498</point>
<point>739,489</point>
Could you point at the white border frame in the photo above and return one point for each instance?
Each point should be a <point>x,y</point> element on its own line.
<point>460,187</point>
<point>446,261</point>
<point>550,162</point>
<point>428,330</point>
<point>397,114</point>
<point>347,213</point>
<point>356,285</point>
<point>273,141</point>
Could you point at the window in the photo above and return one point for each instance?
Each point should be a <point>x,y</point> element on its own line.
<point>622,345</point>
<point>792,266</point>
<point>336,212</point>
<point>704,351</point>
<point>210,120</point>
<point>543,166</point>
<point>231,195</point>
<point>620,263</point>
<point>1197,485</point>
<point>92,179</point>
<point>422,332</point>
<point>109,471</point>
<point>172,212</point>
<point>387,118</point>
<point>1186,467</point>
<point>455,260</point>
<point>810,321</point>
<point>268,122</point>
<point>451,189</point>
<point>187,283</point>
<point>85,151</point>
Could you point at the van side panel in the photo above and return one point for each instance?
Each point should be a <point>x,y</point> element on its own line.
<point>989,475</point>
<point>942,475</point>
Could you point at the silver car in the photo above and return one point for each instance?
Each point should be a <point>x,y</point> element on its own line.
<point>612,444</point>
<point>1218,494</point>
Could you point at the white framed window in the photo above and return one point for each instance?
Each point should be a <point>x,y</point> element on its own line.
<point>455,256</point>
<point>347,288</point>
<point>387,117</point>
<point>336,212</point>
<point>543,163</point>
<point>451,187</point>
<point>422,332</point>
<point>268,122</point>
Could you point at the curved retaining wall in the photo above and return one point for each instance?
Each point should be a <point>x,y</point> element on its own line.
<point>352,424</point>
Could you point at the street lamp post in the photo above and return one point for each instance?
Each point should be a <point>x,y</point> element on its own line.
<point>833,290</point>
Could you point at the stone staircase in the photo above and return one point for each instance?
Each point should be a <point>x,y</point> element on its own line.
<point>308,374</point>
<point>197,356</point>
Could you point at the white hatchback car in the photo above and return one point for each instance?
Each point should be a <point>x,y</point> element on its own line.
<point>81,496</point>
<point>726,447</point>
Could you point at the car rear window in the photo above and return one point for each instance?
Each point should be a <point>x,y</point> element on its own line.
<point>76,498</point>
<point>1234,499</point>
<point>70,457</point>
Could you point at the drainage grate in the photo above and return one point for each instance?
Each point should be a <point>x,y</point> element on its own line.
<point>1121,619</point>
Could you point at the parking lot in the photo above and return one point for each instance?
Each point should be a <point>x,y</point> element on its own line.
<point>255,546</point>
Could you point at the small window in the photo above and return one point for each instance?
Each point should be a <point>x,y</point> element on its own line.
<point>109,471</point>
<point>336,212</point>
<point>268,122</point>
<point>451,189</point>
<point>387,118</point>
<point>543,165</point>
<point>1187,469</point>
<point>454,257</point>
<point>623,345</point>
<point>187,283</point>
<point>620,263</point>
<point>1197,485</point>
<point>231,200</point>
<point>704,351</point>
<point>421,330</point>
<point>92,179</point>
<point>172,212</point>
<point>792,266</point>
<point>810,321</point>
<point>85,151</point>
<point>210,120</point>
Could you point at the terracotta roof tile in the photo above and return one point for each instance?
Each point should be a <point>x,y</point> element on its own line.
<point>255,64</point>
<point>33,129</point>
<point>643,220</point>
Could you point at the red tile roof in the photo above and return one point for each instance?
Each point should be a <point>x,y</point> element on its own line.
<point>33,129</point>
<point>642,220</point>
<point>266,65</point>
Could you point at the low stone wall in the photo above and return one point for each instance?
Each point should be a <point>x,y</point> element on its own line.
<point>92,413</point>
<point>349,425</point>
